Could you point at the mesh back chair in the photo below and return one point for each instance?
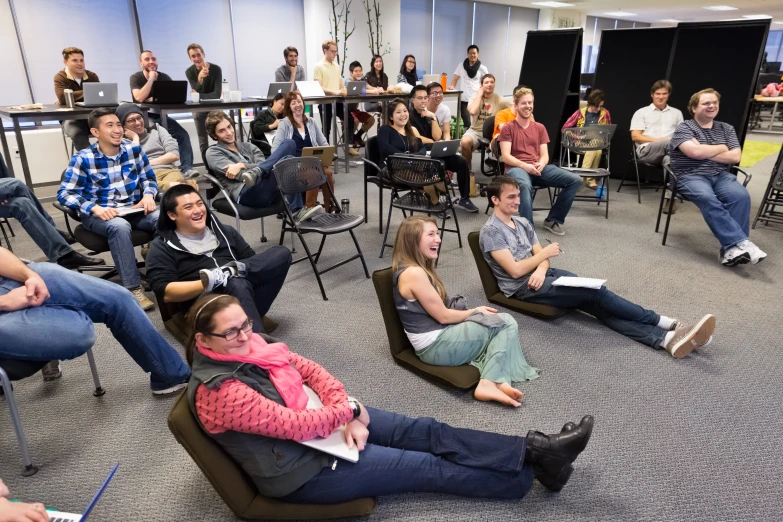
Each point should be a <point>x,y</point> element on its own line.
<point>234,485</point>
<point>495,296</point>
<point>489,166</point>
<point>414,173</point>
<point>96,243</point>
<point>374,174</point>
<point>670,183</point>
<point>464,376</point>
<point>5,223</point>
<point>221,202</point>
<point>773,197</point>
<point>14,370</point>
<point>578,141</point>
<point>297,175</point>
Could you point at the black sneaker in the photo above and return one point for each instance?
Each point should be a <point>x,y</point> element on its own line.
<point>467,205</point>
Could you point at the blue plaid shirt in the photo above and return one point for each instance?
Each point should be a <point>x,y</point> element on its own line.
<point>93,179</point>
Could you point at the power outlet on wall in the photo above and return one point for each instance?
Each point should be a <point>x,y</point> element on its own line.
<point>16,152</point>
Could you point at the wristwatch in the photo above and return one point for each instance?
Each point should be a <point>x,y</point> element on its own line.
<point>357,409</point>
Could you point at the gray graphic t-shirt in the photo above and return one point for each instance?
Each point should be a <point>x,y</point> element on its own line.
<point>496,235</point>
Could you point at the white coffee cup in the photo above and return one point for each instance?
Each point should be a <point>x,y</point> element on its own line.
<point>235,96</point>
<point>195,97</point>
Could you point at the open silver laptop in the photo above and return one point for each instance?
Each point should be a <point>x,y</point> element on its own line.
<point>276,88</point>
<point>310,89</point>
<point>99,95</point>
<point>356,88</point>
<point>442,149</point>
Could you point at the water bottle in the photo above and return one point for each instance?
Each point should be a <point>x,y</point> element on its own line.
<point>226,90</point>
<point>443,81</point>
<point>346,205</point>
<point>69,101</point>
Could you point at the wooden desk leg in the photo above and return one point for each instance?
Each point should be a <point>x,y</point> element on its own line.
<point>6,152</point>
<point>22,155</point>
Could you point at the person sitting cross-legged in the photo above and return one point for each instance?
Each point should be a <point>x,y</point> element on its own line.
<point>47,313</point>
<point>18,201</point>
<point>110,176</point>
<point>195,253</point>
<point>247,393</point>
<point>521,266</point>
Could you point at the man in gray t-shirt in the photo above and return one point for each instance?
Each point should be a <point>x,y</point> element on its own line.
<point>496,235</point>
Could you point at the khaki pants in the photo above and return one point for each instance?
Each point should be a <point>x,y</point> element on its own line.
<point>591,159</point>
<point>311,196</point>
<point>166,177</point>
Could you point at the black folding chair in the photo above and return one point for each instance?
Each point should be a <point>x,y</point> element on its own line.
<point>374,174</point>
<point>5,223</point>
<point>298,175</point>
<point>413,174</point>
<point>773,197</point>
<point>639,186</point>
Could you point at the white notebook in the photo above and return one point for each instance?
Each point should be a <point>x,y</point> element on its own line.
<point>579,282</point>
<point>334,444</point>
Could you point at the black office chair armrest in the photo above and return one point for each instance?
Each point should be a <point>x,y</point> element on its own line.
<point>370,163</point>
<point>68,211</point>
<point>483,142</point>
<point>746,174</point>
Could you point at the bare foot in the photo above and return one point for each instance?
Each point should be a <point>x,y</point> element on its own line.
<point>510,391</point>
<point>489,391</point>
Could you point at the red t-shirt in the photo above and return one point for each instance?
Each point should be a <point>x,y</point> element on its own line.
<point>525,143</point>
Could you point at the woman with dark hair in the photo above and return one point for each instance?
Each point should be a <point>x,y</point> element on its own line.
<point>298,127</point>
<point>398,136</point>
<point>375,77</point>
<point>408,71</point>
<point>247,393</point>
<point>593,114</point>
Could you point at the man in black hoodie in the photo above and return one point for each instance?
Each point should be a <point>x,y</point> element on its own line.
<point>195,253</point>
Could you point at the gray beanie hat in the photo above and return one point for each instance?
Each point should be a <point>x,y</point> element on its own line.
<point>125,110</point>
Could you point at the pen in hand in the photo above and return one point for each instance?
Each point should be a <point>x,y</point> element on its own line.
<point>550,242</point>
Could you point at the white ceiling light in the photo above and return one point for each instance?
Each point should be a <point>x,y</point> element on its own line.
<point>553,4</point>
<point>757,17</point>
<point>670,21</point>
<point>620,13</point>
<point>778,22</point>
<point>721,8</point>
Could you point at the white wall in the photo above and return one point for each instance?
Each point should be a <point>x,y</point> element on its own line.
<point>11,64</point>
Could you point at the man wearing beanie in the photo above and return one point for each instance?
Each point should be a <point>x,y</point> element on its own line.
<point>156,142</point>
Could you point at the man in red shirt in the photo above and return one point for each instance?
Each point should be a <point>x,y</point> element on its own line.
<point>523,146</point>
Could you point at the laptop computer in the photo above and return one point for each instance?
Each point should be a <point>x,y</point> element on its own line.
<point>310,89</point>
<point>276,88</point>
<point>429,78</point>
<point>99,95</point>
<point>441,149</point>
<point>325,154</point>
<point>356,88</point>
<point>59,516</point>
<point>610,128</point>
<point>175,91</point>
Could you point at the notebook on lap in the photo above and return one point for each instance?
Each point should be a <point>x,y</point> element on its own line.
<point>335,443</point>
<point>99,95</point>
<point>59,516</point>
<point>325,154</point>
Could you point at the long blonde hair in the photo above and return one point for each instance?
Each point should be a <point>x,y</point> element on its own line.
<point>407,253</point>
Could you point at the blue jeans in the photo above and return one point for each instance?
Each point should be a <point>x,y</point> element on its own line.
<point>257,290</point>
<point>617,313</point>
<point>551,176</point>
<point>62,328</point>
<point>183,141</point>
<point>724,202</point>
<point>39,225</point>
<point>118,230</point>
<point>264,192</point>
<point>405,455</point>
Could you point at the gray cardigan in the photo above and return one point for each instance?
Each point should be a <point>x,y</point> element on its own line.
<point>285,131</point>
<point>219,156</point>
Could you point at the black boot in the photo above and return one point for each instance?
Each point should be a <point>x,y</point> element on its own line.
<point>551,456</point>
<point>74,259</point>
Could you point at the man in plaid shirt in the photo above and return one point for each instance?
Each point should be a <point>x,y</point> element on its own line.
<point>103,182</point>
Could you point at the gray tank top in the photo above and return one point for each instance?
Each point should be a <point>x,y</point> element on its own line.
<point>414,317</point>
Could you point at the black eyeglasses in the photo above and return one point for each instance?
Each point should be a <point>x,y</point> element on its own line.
<point>233,333</point>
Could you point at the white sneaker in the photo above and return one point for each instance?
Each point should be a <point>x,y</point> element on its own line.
<point>735,256</point>
<point>215,277</point>
<point>756,254</point>
<point>306,213</point>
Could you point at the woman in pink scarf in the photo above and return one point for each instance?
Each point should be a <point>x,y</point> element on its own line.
<point>247,394</point>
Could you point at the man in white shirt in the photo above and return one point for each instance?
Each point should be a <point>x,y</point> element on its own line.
<point>652,126</point>
<point>469,74</point>
<point>441,110</point>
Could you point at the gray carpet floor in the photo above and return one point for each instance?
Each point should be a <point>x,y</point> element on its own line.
<point>674,440</point>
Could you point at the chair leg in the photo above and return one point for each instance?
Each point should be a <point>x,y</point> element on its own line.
<point>29,469</point>
<point>320,248</point>
<point>7,242</point>
<point>669,215</point>
<point>380,209</point>
<point>606,190</point>
<point>456,224</point>
<point>660,205</point>
<point>99,391</point>
<point>312,263</point>
<point>388,223</point>
<point>361,255</point>
<point>365,200</point>
<point>263,233</point>
<point>638,183</point>
<point>10,228</point>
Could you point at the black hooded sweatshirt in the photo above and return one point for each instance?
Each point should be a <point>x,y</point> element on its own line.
<point>169,262</point>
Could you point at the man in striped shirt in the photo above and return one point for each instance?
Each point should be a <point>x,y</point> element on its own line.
<point>106,181</point>
<point>702,150</point>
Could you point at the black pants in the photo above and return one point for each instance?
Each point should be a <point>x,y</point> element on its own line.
<point>326,121</point>
<point>457,163</point>
<point>257,291</point>
<point>463,109</point>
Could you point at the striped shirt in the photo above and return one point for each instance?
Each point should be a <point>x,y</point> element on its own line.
<point>93,179</point>
<point>720,134</point>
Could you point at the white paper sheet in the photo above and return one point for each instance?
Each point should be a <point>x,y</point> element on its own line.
<point>334,444</point>
<point>579,282</point>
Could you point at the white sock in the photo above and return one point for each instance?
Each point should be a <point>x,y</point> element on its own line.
<point>665,322</point>
<point>667,339</point>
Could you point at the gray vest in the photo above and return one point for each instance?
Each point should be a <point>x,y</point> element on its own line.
<point>413,316</point>
<point>278,467</point>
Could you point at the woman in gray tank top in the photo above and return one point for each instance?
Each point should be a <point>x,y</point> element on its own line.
<point>443,330</point>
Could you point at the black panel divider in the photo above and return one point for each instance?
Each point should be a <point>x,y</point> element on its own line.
<point>551,67</point>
